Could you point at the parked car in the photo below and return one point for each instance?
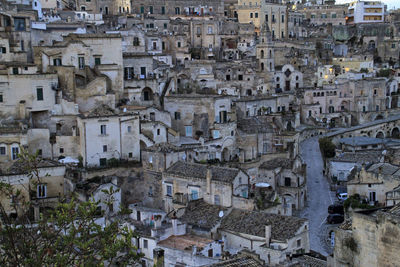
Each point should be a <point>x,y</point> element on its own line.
<point>335,218</point>
<point>336,209</point>
<point>342,196</point>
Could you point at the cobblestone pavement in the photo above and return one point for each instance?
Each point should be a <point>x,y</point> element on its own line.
<point>319,197</point>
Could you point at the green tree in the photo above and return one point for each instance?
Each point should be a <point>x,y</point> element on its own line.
<point>327,147</point>
<point>70,235</point>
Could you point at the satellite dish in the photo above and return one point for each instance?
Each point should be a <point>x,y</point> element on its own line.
<point>221,213</point>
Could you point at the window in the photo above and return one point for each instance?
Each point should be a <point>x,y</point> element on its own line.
<point>61,150</point>
<point>81,63</point>
<point>256,15</point>
<point>251,15</point>
<point>103,129</point>
<point>158,131</point>
<point>210,29</point>
<point>393,45</point>
<point>163,10</point>
<point>105,148</point>
<point>97,60</point>
<point>129,129</point>
<point>1,98</point>
<point>198,30</point>
<point>194,194</point>
<point>240,77</point>
<point>14,153</point>
<point>136,41</point>
<point>39,94</point>
<point>299,243</point>
<point>19,24</point>
<point>41,191</point>
<point>57,62</point>
<point>179,44</point>
<point>141,9</point>
<point>188,131</point>
<point>151,9</point>
<point>334,15</point>
<point>22,45</point>
<point>287,181</point>
<point>15,71</point>
<point>283,18</point>
<point>2,150</point>
<point>169,190</point>
<point>177,11</point>
<point>128,73</point>
<point>145,243</point>
<point>130,154</point>
<point>177,115</point>
<point>163,45</point>
<point>3,50</point>
<point>165,25</point>
<point>150,191</point>
<point>217,200</point>
<point>216,134</point>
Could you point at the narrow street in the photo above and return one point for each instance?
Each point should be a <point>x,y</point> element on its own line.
<point>319,196</point>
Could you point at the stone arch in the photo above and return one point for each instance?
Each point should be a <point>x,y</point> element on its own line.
<point>147,94</point>
<point>395,133</point>
<point>380,135</point>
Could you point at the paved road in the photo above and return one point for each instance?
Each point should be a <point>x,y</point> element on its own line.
<point>319,197</point>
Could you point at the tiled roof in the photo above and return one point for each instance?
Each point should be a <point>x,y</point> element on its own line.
<point>185,242</point>
<point>19,167</point>
<point>201,214</point>
<point>360,157</point>
<point>384,168</point>
<point>101,111</point>
<point>254,222</point>
<point>255,125</point>
<point>193,170</point>
<point>308,261</point>
<point>275,163</point>
<point>238,262</point>
<point>164,147</point>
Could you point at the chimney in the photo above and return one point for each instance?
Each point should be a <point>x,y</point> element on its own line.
<point>157,221</point>
<point>209,175</point>
<point>267,235</point>
<point>174,222</point>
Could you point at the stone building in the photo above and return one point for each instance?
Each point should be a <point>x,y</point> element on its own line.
<point>374,182</point>
<point>271,236</point>
<point>272,13</point>
<point>324,14</point>
<point>47,188</point>
<point>288,178</point>
<point>369,239</point>
<point>222,186</point>
<point>105,134</point>
<point>175,7</point>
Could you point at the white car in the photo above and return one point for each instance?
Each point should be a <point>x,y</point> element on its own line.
<point>342,196</point>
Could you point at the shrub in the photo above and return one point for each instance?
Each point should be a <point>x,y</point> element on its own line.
<point>327,147</point>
